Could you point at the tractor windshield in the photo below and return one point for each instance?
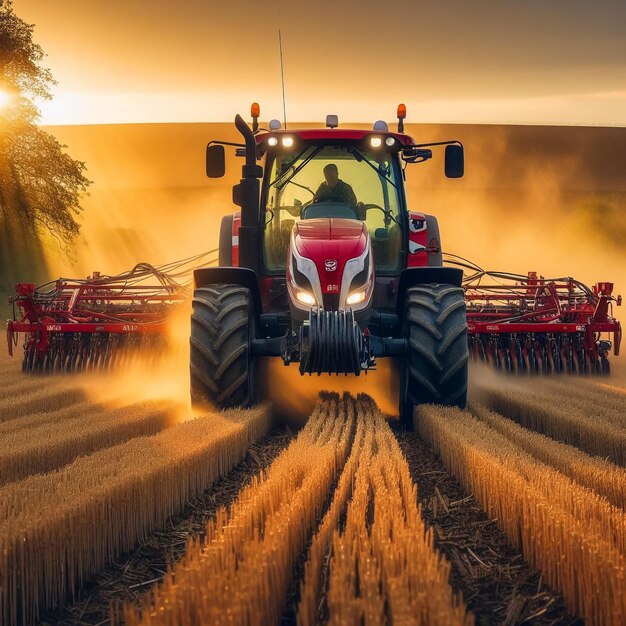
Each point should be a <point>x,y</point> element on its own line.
<point>334,181</point>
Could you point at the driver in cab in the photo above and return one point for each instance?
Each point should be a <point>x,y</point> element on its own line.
<point>333,188</point>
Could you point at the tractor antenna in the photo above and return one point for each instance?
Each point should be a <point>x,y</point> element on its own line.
<point>282,77</point>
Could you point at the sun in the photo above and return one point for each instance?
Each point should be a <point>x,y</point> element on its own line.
<point>5,98</point>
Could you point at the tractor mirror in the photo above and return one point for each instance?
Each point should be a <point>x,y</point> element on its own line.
<point>455,162</point>
<point>215,161</point>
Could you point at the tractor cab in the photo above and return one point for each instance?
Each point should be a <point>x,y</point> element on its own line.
<point>328,175</point>
<point>325,265</point>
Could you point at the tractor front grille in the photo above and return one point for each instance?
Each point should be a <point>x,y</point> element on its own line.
<point>331,301</point>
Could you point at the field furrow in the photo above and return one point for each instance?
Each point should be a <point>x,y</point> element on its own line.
<point>498,585</point>
<point>240,573</point>
<point>102,599</point>
<point>58,529</point>
<point>55,442</point>
<point>569,533</point>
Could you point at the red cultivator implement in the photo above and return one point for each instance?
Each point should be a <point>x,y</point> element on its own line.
<point>520,324</point>
<point>531,324</point>
<point>97,323</point>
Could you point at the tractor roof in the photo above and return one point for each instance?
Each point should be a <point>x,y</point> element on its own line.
<point>331,134</point>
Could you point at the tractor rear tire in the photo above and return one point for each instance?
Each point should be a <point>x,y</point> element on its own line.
<point>223,371</point>
<point>436,370</point>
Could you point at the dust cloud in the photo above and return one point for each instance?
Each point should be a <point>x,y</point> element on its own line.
<point>163,375</point>
<point>294,396</point>
<point>546,199</point>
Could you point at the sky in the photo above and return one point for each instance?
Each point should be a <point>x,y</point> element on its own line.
<point>449,61</point>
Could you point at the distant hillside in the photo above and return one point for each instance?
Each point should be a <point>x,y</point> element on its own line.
<point>172,155</point>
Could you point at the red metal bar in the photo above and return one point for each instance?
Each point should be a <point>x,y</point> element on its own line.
<point>52,327</point>
<point>535,327</point>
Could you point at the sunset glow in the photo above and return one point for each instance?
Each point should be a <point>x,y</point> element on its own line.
<point>590,109</point>
<point>449,64</point>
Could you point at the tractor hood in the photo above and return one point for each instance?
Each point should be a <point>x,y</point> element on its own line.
<point>329,243</point>
<point>334,255</point>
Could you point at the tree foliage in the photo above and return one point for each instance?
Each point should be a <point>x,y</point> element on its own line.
<point>40,184</point>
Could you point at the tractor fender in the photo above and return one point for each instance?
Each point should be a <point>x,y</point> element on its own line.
<point>434,260</point>
<point>226,241</point>
<point>413,276</point>
<point>231,276</point>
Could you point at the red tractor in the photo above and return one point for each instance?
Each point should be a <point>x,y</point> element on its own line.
<point>325,265</point>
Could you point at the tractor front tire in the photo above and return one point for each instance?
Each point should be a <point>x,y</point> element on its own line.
<point>435,326</point>
<point>223,372</point>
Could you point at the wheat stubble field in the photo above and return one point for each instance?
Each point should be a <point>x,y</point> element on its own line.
<point>139,512</point>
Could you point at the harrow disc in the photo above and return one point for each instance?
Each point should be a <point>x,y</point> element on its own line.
<point>83,352</point>
<point>27,357</point>
<point>554,357</point>
<point>517,357</point>
<point>539,354</point>
<point>57,364</point>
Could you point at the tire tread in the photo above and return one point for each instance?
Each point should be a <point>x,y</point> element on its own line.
<point>438,351</point>
<point>219,347</point>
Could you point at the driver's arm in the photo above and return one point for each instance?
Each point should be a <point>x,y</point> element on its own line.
<point>350,198</point>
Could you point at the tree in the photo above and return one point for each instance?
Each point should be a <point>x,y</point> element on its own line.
<point>40,185</point>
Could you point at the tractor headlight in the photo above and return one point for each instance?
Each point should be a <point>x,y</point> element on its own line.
<point>357,283</point>
<point>305,297</point>
<point>356,297</point>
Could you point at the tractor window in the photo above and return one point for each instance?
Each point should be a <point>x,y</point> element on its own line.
<point>333,181</point>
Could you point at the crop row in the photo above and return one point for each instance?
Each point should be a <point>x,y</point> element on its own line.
<point>561,420</point>
<point>239,574</point>
<point>58,529</point>
<point>41,400</point>
<point>50,443</point>
<point>384,568</point>
<point>13,384</point>
<point>589,398</point>
<point>574,536</point>
<point>604,477</point>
